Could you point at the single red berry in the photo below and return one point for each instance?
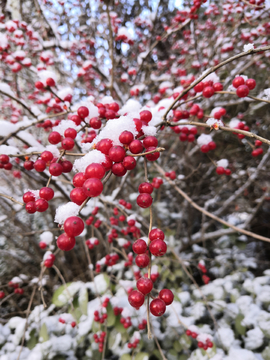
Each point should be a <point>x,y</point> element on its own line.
<point>114,107</point>
<point>242,91</point>
<point>30,207</point>
<point>118,169</point>
<point>144,200</point>
<point>228,172</point>
<point>138,124</point>
<point>55,169</point>
<point>83,112</point>
<point>211,145</point>
<point>28,165</point>
<point>238,81</point>
<point>73,226</point>
<point>205,148</point>
<point>94,170</point>
<point>76,119</point>
<point>157,307</point>
<point>65,242</point>
<point>79,179</point>
<point>154,156</point>
<point>142,260</point>
<point>200,344</point>
<point>78,195</point>
<point>95,123</point>
<point>150,141</point>
<point>251,84</point>
<point>73,324</point>
<point>54,138</point>
<point>126,137</point>
<point>145,188</point>
<point>42,245</point>
<point>28,196</point>
<point>136,299</point>
<point>67,166</point>
<point>135,147</point>
<point>158,247</point>
<point>258,143</point>
<point>129,162</point>
<point>70,133</point>
<point>257,152</point>
<point>218,86</point>
<point>46,193</point>
<point>145,285</point>
<point>67,143</point>
<point>208,92</point>
<point>107,163</point>
<point>40,165</point>
<point>39,85</point>
<point>2,294</point>
<point>188,332</point>
<point>220,170</point>
<point>139,247</point>
<point>50,82</point>
<point>199,87</point>
<point>41,205</point>
<point>92,187</point>
<point>145,116</point>
<point>46,156</point>
<point>4,159</point>
<point>166,295</point>
<point>104,146</point>
<point>156,234</point>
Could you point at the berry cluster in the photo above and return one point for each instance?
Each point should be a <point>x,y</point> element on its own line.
<point>100,340</point>
<point>243,87</point>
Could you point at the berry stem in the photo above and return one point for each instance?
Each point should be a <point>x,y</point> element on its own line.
<point>12,199</point>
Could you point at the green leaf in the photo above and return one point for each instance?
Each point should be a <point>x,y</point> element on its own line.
<point>185,341</point>
<point>157,354</point>
<point>56,294</point>
<point>66,292</point>
<point>177,346</point>
<point>44,333</point>
<point>119,327</point>
<point>183,357</point>
<point>83,300</point>
<point>266,353</point>
<point>141,356</point>
<point>111,317</point>
<point>125,357</point>
<point>31,343</point>
<point>239,328</point>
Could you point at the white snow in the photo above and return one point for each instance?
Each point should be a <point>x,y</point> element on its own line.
<point>65,211</point>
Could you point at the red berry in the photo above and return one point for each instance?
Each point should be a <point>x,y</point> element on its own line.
<point>251,84</point>
<point>79,179</point>
<point>107,163</point>
<point>28,196</point>
<point>65,242</point>
<point>83,112</point>
<point>158,247</point>
<point>94,170</point>
<point>129,162</point>
<point>218,87</point>
<point>145,188</point>
<point>205,148</point>
<point>92,187</point>
<point>104,146</point>
<point>208,91</point>
<point>156,234</point>
<point>199,87</point>
<point>78,195</point>
<point>220,170</point>
<point>242,91</point>
<point>73,226</point>
<point>118,169</point>
<point>212,145</point>
<point>154,156</point>
<point>166,295</point>
<point>144,200</point>
<point>188,332</point>
<point>146,116</point>
<point>95,123</point>
<point>149,141</point>
<point>139,247</point>
<point>67,143</point>
<point>70,133</point>
<point>30,207</point>
<point>142,260</point>
<point>157,307</point>
<point>136,299</point>
<point>4,159</point>
<point>41,205</point>
<point>67,166</point>
<point>138,124</point>
<point>126,137</point>
<point>46,193</point>
<point>55,169</point>
<point>54,138</point>
<point>135,147</point>
<point>228,172</point>
<point>46,156</point>
<point>145,285</point>
<point>42,245</point>
<point>257,152</point>
<point>76,119</point>
<point>258,143</point>
<point>114,107</point>
<point>40,165</point>
<point>2,294</point>
<point>39,85</point>
<point>50,82</point>
<point>238,81</point>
